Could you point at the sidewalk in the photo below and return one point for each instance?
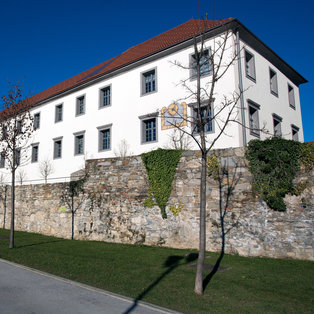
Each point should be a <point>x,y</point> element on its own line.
<point>29,291</point>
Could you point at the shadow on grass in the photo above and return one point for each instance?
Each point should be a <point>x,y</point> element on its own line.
<point>171,263</point>
<point>227,180</point>
<point>39,243</point>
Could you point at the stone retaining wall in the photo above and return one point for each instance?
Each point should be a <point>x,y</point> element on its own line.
<point>112,210</point>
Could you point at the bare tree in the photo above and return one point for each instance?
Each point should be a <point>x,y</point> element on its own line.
<point>73,196</point>
<point>45,168</point>
<point>21,176</point>
<point>179,140</point>
<point>16,127</point>
<point>208,109</point>
<point>123,149</point>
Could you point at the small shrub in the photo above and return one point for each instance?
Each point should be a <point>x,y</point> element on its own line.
<point>213,166</point>
<point>176,209</point>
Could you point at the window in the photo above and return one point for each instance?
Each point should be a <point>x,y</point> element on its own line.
<point>79,143</point>
<point>35,148</point>
<point>105,97</point>
<point>37,120</point>
<point>204,64</point>
<point>277,125</point>
<point>149,128</point>
<point>208,127</point>
<point>250,65</point>
<point>57,148</point>
<point>253,118</point>
<point>18,157</point>
<point>19,126</point>
<point>59,113</point>
<point>291,96</point>
<point>273,82</point>
<point>80,105</point>
<point>104,137</point>
<point>295,132</point>
<point>149,84</point>
<point>2,160</point>
<point>4,132</point>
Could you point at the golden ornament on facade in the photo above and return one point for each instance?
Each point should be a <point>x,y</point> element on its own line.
<point>173,109</point>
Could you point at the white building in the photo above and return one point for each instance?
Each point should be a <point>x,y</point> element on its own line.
<point>90,114</point>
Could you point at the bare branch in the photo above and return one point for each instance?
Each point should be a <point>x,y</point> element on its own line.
<point>46,168</point>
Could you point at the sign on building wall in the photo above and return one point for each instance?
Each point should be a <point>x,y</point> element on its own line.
<point>175,115</point>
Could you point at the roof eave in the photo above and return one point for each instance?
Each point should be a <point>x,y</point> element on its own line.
<point>233,23</point>
<point>259,45</point>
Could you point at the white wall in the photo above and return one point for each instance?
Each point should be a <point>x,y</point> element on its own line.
<point>259,92</point>
<point>127,104</point>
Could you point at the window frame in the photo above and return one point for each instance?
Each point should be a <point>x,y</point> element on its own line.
<point>247,74</point>
<point>37,114</point>
<point>104,128</point>
<point>296,129</point>
<point>76,136</point>
<point>143,85</point>
<point>55,140</point>
<point>2,160</point>
<point>17,158</point>
<point>144,119</point>
<point>18,126</point>
<point>56,113</point>
<point>273,87</point>
<point>77,105</point>
<point>256,107</point>
<point>277,119</point>
<point>193,73</point>
<point>34,147</point>
<point>291,89</point>
<point>204,104</point>
<point>101,96</point>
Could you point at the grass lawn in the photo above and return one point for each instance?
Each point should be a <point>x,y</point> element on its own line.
<point>161,275</point>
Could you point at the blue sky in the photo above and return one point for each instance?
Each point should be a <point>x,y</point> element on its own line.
<point>45,42</point>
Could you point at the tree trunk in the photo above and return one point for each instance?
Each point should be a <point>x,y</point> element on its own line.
<point>72,211</point>
<point>5,205</point>
<point>198,289</point>
<point>222,220</point>
<point>12,210</point>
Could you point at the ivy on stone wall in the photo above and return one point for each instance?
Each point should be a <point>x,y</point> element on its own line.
<point>274,163</point>
<point>161,166</point>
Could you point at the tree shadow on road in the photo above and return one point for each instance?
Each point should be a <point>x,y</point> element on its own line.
<point>171,264</point>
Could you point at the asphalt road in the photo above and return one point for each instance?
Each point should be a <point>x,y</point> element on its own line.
<point>25,290</point>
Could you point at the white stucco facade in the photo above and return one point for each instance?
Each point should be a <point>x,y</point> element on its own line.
<point>128,108</point>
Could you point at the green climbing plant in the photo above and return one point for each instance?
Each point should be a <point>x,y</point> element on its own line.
<point>161,166</point>
<point>274,163</point>
<point>213,166</point>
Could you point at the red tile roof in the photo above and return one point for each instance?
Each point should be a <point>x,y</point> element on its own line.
<point>165,40</point>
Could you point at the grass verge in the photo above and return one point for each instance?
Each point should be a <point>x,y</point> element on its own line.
<point>161,275</point>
